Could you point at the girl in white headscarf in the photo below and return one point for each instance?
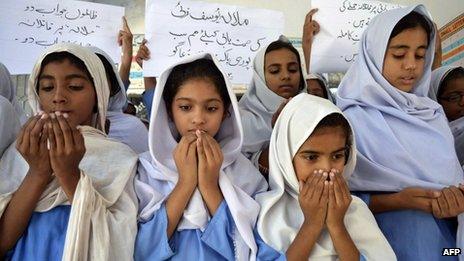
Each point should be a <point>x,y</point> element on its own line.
<point>8,90</point>
<point>447,88</point>
<point>10,124</point>
<point>318,85</point>
<point>277,77</point>
<point>125,128</point>
<point>195,187</point>
<point>308,211</point>
<point>407,165</point>
<point>66,190</point>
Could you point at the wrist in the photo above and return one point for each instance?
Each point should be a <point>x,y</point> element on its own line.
<point>312,226</point>
<point>186,184</point>
<point>67,173</point>
<point>336,227</point>
<point>205,184</point>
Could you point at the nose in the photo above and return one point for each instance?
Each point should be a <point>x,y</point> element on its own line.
<point>325,164</point>
<point>199,117</point>
<point>285,75</point>
<point>59,95</point>
<point>410,63</point>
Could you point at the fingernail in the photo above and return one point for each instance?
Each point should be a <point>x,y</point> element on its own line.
<point>44,116</point>
<point>300,184</point>
<point>58,113</point>
<point>40,112</point>
<point>325,174</point>
<point>437,193</point>
<point>326,182</point>
<point>320,171</point>
<point>66,115</point>
<point>315,172</point>
<point>332,174</point>
<point>52,115</point>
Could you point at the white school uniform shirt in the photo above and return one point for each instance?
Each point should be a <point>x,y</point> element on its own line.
<point>102,223</point>
<point>239,180</point>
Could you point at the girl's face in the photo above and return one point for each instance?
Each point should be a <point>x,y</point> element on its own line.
<point>197,106</point>
<point>65,88</point>
<point>324,149</point>
<point>404,61</point>
<point>282,72</point>
<point>452,99</point>
<point>315,88</point>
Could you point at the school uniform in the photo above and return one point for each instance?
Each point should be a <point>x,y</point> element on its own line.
<point>100,224</point>
<point>228,234</point>
<point>281,216</point>
<point>403,140</point>
<point>457,126</point>
<point>125,128</point>
<point>257,106</point>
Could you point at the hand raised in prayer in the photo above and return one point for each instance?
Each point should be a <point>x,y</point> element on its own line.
<point>209,160</point>
<point>32,145</point>
<point>310,28</point>
<point>143,53</point>
<point>125,41</point>
<point>278,111</point>
<point>67,146</point>
<point>417,198</point>
<point>313,199</point>
<point>449,204</point>
<point>186,160</point>
<point>339,200</point>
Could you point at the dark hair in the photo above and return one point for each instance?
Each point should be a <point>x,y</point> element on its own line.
<point>110,74</point>
<point>61,57</point>
<point>334,120</point>
<point>412,20</point>
<point>455,73</point>
<point>279,44</point>
<point>199,69</point>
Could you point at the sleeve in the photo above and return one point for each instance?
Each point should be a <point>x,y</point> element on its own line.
<point>147,99</point>
<point>266,252</point>
<point>219,233</point>
<point>362,258</point>
<point>364,196</point>
<point>152,241</point>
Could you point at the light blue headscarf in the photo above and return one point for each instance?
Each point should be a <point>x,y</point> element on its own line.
<point>457,126</point>
<point>9,127</point>
<point>403,138</point>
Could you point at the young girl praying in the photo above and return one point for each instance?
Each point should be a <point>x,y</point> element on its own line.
<point>407,169</point>
<point>308,213</point>
<point>67,191</point>
<point>195,187</point>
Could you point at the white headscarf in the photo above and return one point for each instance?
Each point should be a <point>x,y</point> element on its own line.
<point>125,128</point>
<point>281,216</point>
<point>8,90</point>
<point>258,105</point>
<point>325,84</point>
<point>238,178</point>
<point>10,124</point>
<point>406,125</point>
<point>457,126</point>
<point>102,223</point>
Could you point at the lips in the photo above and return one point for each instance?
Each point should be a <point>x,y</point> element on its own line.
<point>408,80</point>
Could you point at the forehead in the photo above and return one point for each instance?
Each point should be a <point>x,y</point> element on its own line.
<point>198,89</point>
<point>411,37</point>
<point>456,84</point>
<point>325,139</point>
<point>280,56</point>
<point>61,67</point>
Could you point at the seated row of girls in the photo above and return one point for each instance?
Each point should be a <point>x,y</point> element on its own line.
<point>10,124</point>
<point>66,190</point>
<point>447,88</point>
<point>407,170</point>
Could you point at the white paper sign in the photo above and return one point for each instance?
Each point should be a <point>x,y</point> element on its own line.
<point>28,27</point>
<point>175,29</point>
<point>342,23</point>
